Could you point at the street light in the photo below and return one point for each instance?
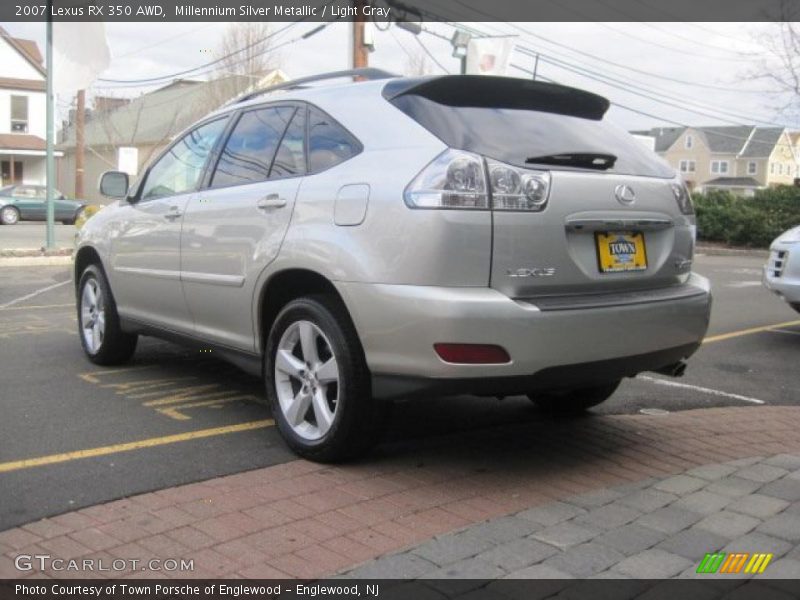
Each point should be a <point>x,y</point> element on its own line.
<point>460,42</point>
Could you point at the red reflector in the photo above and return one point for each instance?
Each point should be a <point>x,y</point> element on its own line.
<point>472,354</point>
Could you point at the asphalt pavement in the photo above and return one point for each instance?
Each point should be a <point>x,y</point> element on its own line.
<point>32,235</point>
<point>73,434</point>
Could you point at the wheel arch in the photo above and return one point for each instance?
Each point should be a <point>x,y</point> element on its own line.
<point>283,287</point>
<point>85,256</point>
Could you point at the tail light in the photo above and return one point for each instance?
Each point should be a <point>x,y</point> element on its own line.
<point>683,198</point>
<point>462,180</point>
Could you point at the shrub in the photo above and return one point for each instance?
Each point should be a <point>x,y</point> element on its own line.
<point>739,221</point>
<point>87,213</point>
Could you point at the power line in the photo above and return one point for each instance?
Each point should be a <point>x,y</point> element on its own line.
<point>430,54</point>
<point>155,80</point>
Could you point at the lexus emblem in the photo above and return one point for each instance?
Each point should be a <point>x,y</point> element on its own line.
<point>625,194</point>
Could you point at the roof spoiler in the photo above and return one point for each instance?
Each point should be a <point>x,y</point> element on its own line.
<point>365,73</point>
<point>480,91</point>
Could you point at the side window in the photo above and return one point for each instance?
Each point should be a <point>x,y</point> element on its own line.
<point>249,151</point>
<point>178,171</point>
<point>328,142</point>
<point>290,159</point>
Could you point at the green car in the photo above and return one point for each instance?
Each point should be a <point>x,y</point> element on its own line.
<point>29,203</point>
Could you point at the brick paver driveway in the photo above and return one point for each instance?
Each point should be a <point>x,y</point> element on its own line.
<point>301,519</point>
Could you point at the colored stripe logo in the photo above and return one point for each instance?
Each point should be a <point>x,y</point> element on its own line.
<point>734,562</point>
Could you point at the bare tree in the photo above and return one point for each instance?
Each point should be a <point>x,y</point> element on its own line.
<point>417,63</point>
<point>246,57</point>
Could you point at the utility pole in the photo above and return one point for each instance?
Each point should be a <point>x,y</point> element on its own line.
<point>51,165</point>
<point>79,119</point>
<point>360,54</point>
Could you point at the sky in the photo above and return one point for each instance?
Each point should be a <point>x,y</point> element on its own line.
<point>655,74</point>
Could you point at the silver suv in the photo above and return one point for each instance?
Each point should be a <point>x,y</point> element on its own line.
<point>362,242</point>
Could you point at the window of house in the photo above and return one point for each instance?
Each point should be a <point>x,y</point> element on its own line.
<point>178,170</point>
<point>752,168</point>
<point>719,167</point>
<point>251,147</point>
<point>772,168</point>
<point>689,142</point>
<point>688,166</point>
<point>19,114</point>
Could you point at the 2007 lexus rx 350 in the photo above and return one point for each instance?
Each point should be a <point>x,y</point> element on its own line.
<point>356,243</point>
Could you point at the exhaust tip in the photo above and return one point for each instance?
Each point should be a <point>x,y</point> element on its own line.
<point>674,370</point>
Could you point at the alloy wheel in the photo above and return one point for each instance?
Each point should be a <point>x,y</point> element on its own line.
<point>93,316</point>
<point>307,380</point>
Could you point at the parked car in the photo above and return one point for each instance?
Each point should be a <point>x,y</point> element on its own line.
<point>392,238</point>
<point>29,203</point>
<point>782,271</point>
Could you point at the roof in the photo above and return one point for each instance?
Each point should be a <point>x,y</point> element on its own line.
<point>763,142</point>
<point>156,117</point>
<point>747,141</point>
<point>734,182</point>
<point>152,118</point>
<point>664,136</point>
<point>28,49</point>
<point>19,141</point>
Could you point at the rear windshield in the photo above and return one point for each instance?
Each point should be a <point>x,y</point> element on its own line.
<point>515,136</point>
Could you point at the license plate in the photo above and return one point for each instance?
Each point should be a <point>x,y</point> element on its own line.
<point>620,251</point>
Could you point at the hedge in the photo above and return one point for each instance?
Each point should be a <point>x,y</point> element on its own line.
<point>740,221</point>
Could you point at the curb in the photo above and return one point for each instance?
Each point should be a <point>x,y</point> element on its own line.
<point>725,251</point>
<point>35,261</point>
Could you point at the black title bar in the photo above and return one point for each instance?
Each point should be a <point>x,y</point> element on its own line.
<point>399,10</point>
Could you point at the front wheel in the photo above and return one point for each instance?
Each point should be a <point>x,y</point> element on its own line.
<point>9,215</point>
<point>573,402</point>
<point>101,335</point>
<point>318,383</point>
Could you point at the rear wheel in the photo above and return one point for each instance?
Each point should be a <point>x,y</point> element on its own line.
<point>9,215</point>
<point>74,219</point>
<point>573,402</point>
<point>101,335</point>
<point>318,383</point>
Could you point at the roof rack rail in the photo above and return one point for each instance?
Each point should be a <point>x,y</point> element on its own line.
<point>367,73</point>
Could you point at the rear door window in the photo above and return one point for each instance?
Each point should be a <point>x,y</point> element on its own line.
<point>248,154</point>
<point>290,159</point>
<point>329,143</point>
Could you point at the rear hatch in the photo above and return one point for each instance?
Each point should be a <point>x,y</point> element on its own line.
<point>614,220</point>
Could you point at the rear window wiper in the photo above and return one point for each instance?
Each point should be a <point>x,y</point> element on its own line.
<point>584,160</point>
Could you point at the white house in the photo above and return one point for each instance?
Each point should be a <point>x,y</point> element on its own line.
<point>22,112</point>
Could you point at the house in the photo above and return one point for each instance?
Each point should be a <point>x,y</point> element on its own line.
<point>740,158</point>
<point>125,134</point>
<point>23,126</point>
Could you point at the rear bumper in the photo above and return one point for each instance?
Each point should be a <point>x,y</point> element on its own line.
<point>556,347</point>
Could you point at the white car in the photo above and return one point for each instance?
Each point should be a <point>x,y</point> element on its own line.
<point>782,272</point>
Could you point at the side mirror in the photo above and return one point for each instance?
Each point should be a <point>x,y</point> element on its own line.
<point>114,184</point>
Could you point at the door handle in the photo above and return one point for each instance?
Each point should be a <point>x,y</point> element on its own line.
<point>173,213</point>
<point>271,201</point>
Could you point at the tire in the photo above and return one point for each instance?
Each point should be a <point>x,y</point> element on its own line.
<point>319,387</point>
<point>9,215</point>
<point>573,402</point>
<point>74,219</point>
<point>99,328</point>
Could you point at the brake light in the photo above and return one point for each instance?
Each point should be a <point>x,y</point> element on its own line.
<point>472,354</point>
<point>462,180</point>
<point>455,179</point>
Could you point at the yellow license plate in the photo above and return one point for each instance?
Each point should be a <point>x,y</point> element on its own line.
<point>620,251</point>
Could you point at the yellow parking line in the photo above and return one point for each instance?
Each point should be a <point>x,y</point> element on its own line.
<point>126,447</point>
<point>733,334</point>
<point>69,304</point>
